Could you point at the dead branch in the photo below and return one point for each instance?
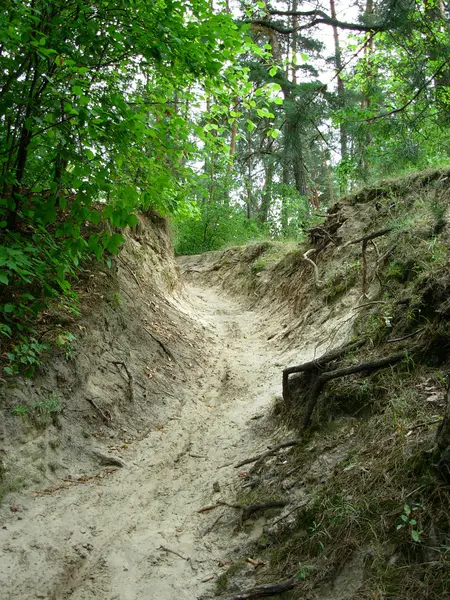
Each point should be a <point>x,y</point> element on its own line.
<point>317,279</point>
<point>317,364</point>
<point>267,453</point>
<point>268,589</point>
<point>367,367</point>
<point>130,378</point>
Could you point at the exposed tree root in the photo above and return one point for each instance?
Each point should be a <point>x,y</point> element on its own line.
<point>130,378</point>
<point>316,366</point>
<point>367,367</point>
<point>249,509</point>
<point>268,589</point>
<point>315,375</point>
<point>263,455</point>
<point>364,241</point>
<point>160,344</point>
<point>105,416</point>
<point>317,279</point>
<point>367,238</point>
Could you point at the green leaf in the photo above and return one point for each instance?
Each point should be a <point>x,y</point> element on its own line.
<point>4,278</point>
<point>250,125</point>
<point>273,71</point>
<point>132,220</point>
<point>415,535</point>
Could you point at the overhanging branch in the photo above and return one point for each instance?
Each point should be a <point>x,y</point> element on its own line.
<point>319,18</point>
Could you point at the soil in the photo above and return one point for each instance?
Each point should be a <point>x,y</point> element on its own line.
<point>104,538</point>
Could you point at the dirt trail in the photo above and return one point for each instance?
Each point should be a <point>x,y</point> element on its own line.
<point>101,539</point>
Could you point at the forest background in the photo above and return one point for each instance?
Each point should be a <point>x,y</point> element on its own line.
<point>222,115</point>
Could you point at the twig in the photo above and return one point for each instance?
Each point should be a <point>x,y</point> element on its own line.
<point>164,549</point>
<point>131,272</point>
<point>269,452</point>
<point>434,422</point>
<point>208,508</point>
<point>249,509</point>
<point>290,512</point>
<point>268,589</point>
<point>368,304</point>
<point>104,416</point>
<point>211,527</point>
<point>160,343</point>
<point>130,378</point>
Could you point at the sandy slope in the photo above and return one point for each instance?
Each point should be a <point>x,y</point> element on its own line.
<point>100,539</point>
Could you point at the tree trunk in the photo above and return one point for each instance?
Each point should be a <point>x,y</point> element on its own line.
<point>340,84</point>
<point>266,202</point>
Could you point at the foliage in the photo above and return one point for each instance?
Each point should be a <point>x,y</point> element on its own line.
<point>99,109</point>
<point>218,225</point>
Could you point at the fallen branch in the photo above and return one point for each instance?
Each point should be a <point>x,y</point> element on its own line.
<point>317,364</point>
<point>268,589</point>
<point>317,279</point>
<point>130,378</point>
<point>264,455</point>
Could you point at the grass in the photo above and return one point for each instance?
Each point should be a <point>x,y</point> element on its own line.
<point>360,506</point>
<point>39,413</point>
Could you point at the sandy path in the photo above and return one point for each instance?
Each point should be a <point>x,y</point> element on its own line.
<point>100,540</point>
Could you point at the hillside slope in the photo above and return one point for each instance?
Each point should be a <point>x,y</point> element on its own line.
<point>367,480</point>
<point>138,463</point>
